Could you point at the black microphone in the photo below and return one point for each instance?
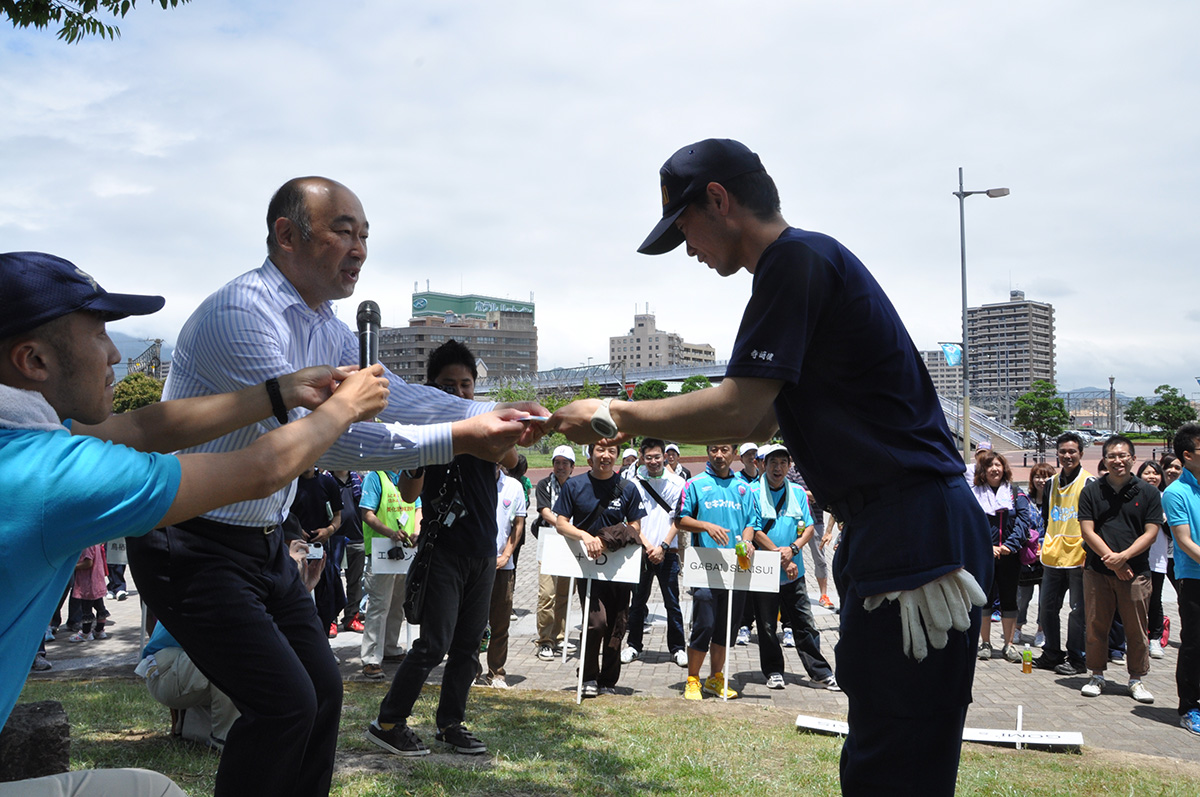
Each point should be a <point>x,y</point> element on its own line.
<point>368,333</point>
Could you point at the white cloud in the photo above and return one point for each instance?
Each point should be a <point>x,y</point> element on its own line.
<point>509,148</point>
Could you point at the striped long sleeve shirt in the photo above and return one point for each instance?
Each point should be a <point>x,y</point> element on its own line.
<point>257,327</point>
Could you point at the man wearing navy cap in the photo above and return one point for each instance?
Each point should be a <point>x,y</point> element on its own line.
<point>68,486</point>
<point>822,356</point>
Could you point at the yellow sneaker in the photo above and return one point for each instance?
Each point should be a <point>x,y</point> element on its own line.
<point>715,685</point>
<point>692,690</point>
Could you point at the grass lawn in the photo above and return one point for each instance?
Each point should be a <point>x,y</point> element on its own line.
<point>541,743</point>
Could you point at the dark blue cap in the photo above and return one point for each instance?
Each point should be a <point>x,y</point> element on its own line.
<point>36,288</point>
<point>685,176</point>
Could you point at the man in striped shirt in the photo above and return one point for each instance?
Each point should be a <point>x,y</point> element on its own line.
<point>223,581</point>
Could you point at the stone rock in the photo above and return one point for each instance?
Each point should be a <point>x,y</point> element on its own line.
<point>35,742</point>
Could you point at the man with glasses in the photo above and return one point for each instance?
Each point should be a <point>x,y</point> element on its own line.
<point>1119,516</point>
<point>1062,560</point>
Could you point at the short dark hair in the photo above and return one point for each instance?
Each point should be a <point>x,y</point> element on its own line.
<point>1186,438</point>
<point>1154,466</point>
<point>518,470</point>
<point>1117,439</point>
<point>652,442</point>
<point>755,191</point>
<point>290,202</point>
<point>1070,437</point>
<point>449,353</point>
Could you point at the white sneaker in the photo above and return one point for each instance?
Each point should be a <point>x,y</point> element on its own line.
<point>789,639</point>
<point>1156,651</point>
<point>1095,686</point>
<point>498,682</point>
<point>681,658</point>
<point>629,654</point>
<point>546,652</point>
<point>1139,692</point>
<point>590,689</point>
<point>775,681</point>
<point>831,684</point>
<point>1039,639</point>
<point>1016,637</point>
<point>743,636</point>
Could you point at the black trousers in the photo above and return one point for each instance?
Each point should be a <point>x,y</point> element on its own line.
<point>792,602</point>
<point>233,598</point>
<point>607,618</point>
<point>456,612</point>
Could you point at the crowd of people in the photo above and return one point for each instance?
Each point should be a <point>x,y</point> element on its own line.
<point>260,404</point>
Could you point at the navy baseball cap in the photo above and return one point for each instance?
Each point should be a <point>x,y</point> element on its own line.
<point>684,177</point>
<point>36,287</point>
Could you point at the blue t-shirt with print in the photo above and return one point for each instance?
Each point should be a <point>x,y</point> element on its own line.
<point>725,502</point>
<point>580,495</point>
<point>64,493</point>
<point>785,529</point>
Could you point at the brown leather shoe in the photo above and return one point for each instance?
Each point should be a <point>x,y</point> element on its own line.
<point>372,671</point>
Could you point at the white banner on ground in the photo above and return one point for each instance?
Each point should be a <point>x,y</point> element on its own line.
<point>1068,739</point>
<point>380,563</point>
<point>563,557</point>
<point>114,552</point>
<point>716,568</point>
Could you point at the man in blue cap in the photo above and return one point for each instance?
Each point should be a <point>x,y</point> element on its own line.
<point>822,357</point>
<point>76,475</point>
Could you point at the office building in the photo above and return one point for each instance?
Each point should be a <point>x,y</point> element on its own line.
<point>500,332</point>
<point>947,379</point>
<point>646,346</point>
<point>1010,346</point>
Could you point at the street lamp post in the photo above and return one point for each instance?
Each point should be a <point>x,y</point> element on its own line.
<point>962,238</point>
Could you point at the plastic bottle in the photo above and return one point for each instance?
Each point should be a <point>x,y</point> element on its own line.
<point>1026,659</point>
<point>486,639</point>
<point>743,555</point>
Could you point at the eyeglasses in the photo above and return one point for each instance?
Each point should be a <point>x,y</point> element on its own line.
<point>1118,457</point>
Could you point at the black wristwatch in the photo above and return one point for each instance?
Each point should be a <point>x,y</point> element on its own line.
<point>666,547</point>
<point>795,550</point>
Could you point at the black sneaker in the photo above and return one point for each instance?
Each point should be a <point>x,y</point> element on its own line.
<point>1070,668</point>
<point>400,740</point>
<point>461,739</point>
<point>1044,663</point>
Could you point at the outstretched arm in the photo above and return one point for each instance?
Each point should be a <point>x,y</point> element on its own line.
<point>272,461</point>
<point>738,409</point>
<point>174,425</point>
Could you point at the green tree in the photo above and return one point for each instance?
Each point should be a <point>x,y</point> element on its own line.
<point>79,18</point>
<point>135,390</point>
<point>1171,411</point>
<point>1135,412</point>
<point>650,389</point>
<point>695,382</point>
<point>1041,412</point>
<point>514,391</point>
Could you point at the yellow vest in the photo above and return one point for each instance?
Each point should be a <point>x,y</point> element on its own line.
<point>1063,544</point>
<point>393,512</point>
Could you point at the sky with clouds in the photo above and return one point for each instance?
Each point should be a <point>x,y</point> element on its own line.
<point>510,148</point>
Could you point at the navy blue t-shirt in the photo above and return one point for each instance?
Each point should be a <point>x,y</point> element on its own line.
<point>315,500</point>
<point>857,407</point>
<point>581,494</point>
<point>475,534</point>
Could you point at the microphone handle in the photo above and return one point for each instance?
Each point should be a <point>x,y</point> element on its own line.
<point>368,346</point>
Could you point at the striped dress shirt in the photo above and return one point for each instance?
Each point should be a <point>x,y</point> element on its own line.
<point>257,327</point>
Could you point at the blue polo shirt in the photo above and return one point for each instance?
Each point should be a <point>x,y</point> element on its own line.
<point>1181,501</point>
<point>857,408</point>
<point>62,494</point>
<point>725,502</point>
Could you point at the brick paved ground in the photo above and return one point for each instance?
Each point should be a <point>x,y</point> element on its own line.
<point>1051,702</point>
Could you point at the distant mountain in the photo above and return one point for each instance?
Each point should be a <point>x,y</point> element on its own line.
<point>131,348</point>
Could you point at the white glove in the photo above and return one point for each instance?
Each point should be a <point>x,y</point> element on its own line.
<point>942,604</point>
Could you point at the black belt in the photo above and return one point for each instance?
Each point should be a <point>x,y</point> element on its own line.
<point>201,524</point>
<point>857,500</point>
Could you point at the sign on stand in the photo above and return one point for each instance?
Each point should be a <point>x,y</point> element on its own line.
<point>568,558</point>
<point>386,566</point>
<point>717,568</point>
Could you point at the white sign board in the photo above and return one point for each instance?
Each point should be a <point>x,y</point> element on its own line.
<point>381,564</point>
<point>716,568</point>
<point>1068,739</point>
<point>563,557</point>
<point>114,551</point>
